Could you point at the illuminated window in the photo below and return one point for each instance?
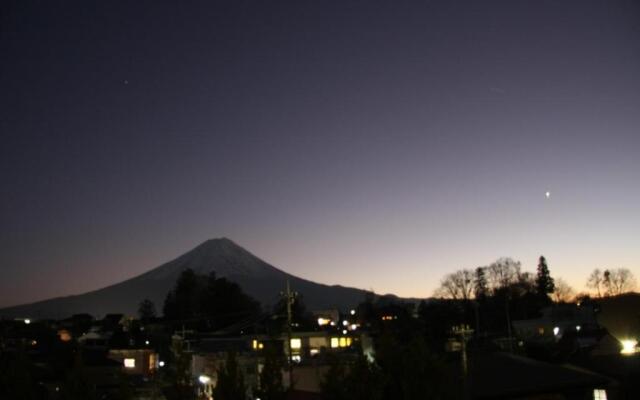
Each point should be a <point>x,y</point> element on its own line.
<point>296,343</point>
<point>254,344</point>
<point>260,346</point>
<point>64,335</point>
<point>540,331</point>
<point>129,362</point>
<point>153,361</point>
<point>599,394</point>
<point>340,342</point>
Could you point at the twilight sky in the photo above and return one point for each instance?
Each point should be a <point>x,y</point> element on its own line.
<point>377,144</point>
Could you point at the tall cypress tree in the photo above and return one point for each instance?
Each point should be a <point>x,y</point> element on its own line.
<point>544,281</point>
<point>271,385</point>
<point>481,289</point>
<point>230,385</point>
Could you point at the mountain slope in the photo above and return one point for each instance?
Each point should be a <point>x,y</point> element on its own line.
<point>258,278</point>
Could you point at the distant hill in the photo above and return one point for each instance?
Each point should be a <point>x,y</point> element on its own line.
<point>262,281</point>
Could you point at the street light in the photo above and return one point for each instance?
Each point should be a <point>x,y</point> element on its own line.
<point>628,346</point>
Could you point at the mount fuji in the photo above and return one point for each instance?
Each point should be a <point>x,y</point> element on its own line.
<point>257,278</point>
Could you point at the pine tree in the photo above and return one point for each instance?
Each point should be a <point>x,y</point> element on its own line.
<point>271,386</point>
<point>146,310</point>
<point>481,289</point>
<point>77,385</point>
<point>179,374</point>
<point>16,380</point>
<point>230,385</point>
<point>333,383</point>
<point>544,281</point>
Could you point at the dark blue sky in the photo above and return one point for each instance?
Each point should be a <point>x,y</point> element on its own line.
<point>376,144</point>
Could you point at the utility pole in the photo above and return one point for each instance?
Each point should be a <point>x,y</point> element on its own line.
<point>290,298</point>
<point>509,322</point>
<point>464,333</point>
<point>476,310</point>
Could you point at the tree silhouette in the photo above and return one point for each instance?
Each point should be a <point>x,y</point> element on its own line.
<point>181,301</point>
<point>216,301</point>
<point>618,281</point>
<point>271,386</point>
<point>411,371</point>
<point>355,380</point>
<point>299,314</point>
<point>480,285</point>
<point>230,384</point>
<point>544,282</point>
<point>178,375</point>
<point>224,302</point>
<point>16,381</point>
<point>146,310</point>
<point>502,273</point>
<point>457,285</point>
<point>596,281</point>
<point>77,385</point>
<point>563,293</point>
<point>332,384</point>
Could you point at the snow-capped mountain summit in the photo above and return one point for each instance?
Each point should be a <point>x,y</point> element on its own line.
<point>259,279</point>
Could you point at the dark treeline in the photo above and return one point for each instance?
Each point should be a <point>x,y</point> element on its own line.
<point>488,298</point>
<point>214,302</point>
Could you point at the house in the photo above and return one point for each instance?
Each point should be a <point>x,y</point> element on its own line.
<point>136,361</point>
<point>501,376</point>
<point>208,355</point>
<point>557,321</point>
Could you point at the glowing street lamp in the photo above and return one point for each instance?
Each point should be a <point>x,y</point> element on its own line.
<point>628,346</point>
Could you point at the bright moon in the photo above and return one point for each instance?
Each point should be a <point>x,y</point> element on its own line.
<point>547,194</point>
